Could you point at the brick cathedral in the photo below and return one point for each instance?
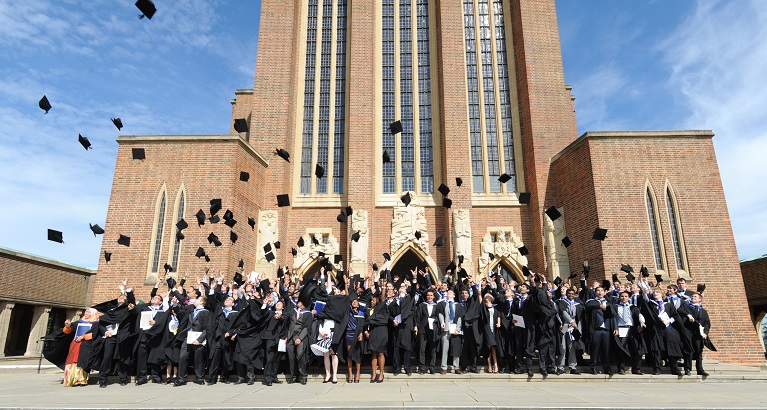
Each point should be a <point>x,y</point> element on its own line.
<point>478,88</point>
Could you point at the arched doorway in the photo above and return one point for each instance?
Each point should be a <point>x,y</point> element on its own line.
<point>509,269</point>
<point>408,257</point>
<point>312,269</point>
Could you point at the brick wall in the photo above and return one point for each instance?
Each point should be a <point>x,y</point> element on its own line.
<point>755,280</point>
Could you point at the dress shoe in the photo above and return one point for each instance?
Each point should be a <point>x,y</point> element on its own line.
<point>396,373</point>
<point>593,371</point>
<point>211,382</point>
<point>291,381</point>
<point>179,383</point>
<point>518,371</point>
<point>239,380</point>
<point>431,370</point>
<point>686,372</point>
<point>544,373</point>
<point>123,382</point>
<point>303,380</point>
<point>102,384</point>
<point>407,372</point>
<point>443,371</point>
<point>560,371</point>
<point>621,372</point>
<point>421,371</point>
<point>251,381</point>
<point>656,372</point>
<point>200,382</point>
<point>277,381</point>
<point>530,373</point>
<point>225,380</point>
<point>266,383</point>
<point>702,373</point>
<point>474,370</point>
<point>609,372</point>
<point>458,371</point>
<point>637,372</point>
<point>139,382</point>
<point>575,371</point>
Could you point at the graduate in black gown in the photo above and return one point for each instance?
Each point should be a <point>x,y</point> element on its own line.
<point>377,336</point>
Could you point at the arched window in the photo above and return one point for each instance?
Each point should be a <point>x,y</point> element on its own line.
<point>176,241</point>
<point>158,231</point>
<point>676,232</point>
<point>657,241</point>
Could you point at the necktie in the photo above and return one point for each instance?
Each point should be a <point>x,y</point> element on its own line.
<point>660,307</point>
<point>452,312</point>
<point>572,307</point>
<point>626,314</point>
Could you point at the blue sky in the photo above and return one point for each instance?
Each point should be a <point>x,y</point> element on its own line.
<point>633,65</point>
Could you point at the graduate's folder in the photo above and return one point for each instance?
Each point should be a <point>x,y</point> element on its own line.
<point>82,328</point>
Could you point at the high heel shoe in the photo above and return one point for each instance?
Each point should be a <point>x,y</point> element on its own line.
<point>326,380</point>
<point>357,379</point>
<point>381,379</point>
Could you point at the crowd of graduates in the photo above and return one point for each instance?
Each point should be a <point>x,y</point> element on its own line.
<point>228,331</point>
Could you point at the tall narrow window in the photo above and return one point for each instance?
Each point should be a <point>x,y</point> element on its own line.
<point>489,97</point>
<point>406,96</point>
<point>323,134</point>
<point>158,233</point>
<point>676,234</point>
<point>177,242</point>
<point>654,231</point>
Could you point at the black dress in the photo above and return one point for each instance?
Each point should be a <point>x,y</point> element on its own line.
<point>376,320</point>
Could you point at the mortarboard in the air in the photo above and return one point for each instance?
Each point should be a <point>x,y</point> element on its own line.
<point>525,271</point>
<point>606,284</point>
<point>523,251</point>
<point>341,217</point>
<point>200,252</point>
<point>55,236</point>
<point>458,181</point>
<point>338,258</point>
<point>96,229</point>
<point>450,266</point>
<point>319,171</point>
<point>228,215</point>
<point>300,242</point>
<point>395,127</point>
<point>124,240</point>
<point>293,251</point>
<point>138,153</point>
<point>566,241</point>
<point>200,215</point>
<point>214,219</point>
<point>387,256</point>
<point>600,234</point>
<point>282,154</point>
<point>233,237</point>
<point>268,247</point>
<point>277,245</point>
<point>84,142</point>
<point>701,287</point>
<point>443,189</point>
<point>460,259</point>
<point>557,281</point>
<point>349,211</point>
<point>524,197</point>
<point>252,223</point>
<point>356,237</point>
<point>181,224</point>
<point>386,157</point>
<point>306,294</point>
<point>315,241</point>
<point>405,198</point>
<point>107,256</point>
<point>241,125</point>
<point>280,272</point>
<point>168,268</point>
<point>626,268</point>
<point>553,213</point>
<point>630,277</point>
<point>118,123</point>
<point>44,104</point>
<point>241,264</point>
<point>417,234</point>
<point>447,202</point>
<point>504,178</point>
<point>440,241</point>
<point>283,200</point>
<point>215,206</point>
<point>375,266</point>
<point>586,269</point>
<point>658,278</point>
<point>171,283</point>
<point>230,222</point>
<point>212,237</point>
<point>491,256</point>
<point>147,8</point>
<point>269,257</point>
<point>572,275</point>
<point>180,236</point>
<point>643,270</point>
<point>615,277</point>
<point>244,176</point>
<point>207,258</point>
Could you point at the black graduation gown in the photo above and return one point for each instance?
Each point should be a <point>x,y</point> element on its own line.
<point>376,321</point>
<point>422,320</point>
<point>524,335</point>
<point>152,337</point>
<point>545,313</point>
<point>701,319</point>
<point>221,324</point>
<point>633,344</point>
<point>159,339</point>
<point>403,332</point>
<point>662,340</point>
<point>56,346</point>
<point>90,350</point>
<point>491,335</point>
<point>126,333</point>
<point>248,326</point>
<point>337,310</point>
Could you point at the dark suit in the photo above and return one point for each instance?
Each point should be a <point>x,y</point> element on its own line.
<point>663,340</point>
<point>427,337</point>
<point>601,327</point>
<point>298,328</point>
<point>222,348</point>
<point>146,341</point>
<point>700,319</point>
<point>629,349</point>
<point>524,337</point>
<point>275,329</point>
<point>199,321</point>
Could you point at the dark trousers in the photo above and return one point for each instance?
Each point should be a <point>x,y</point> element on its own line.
<point>427,352</point>
<point>297,360</point>
<point>622,359</point>
<point>245,372</point>
<point>141,361</point>
<point>220,361</point>
<point>696,354</point>
<point>110,348</point>
<point>600,349</point>
<point>524,340</point>
<point>199,359</point>
<point>469,350</point>
<point>270,361</point>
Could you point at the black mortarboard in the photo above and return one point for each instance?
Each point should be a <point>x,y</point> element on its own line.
<point>341,217</point>
<point>171,283</point>
<point>237,279</point>
<point>282,154</point>
<point>293,251</point>
<point>244,176</point>
<point>387,256</point>
<point>200,252</point>
<point>84,141</point>
<point>269,257</point>
<point>523,251</point>
<point>443,189</point>
<point>283,200</point>
<point>180,236</point>
<point>320,255</point>
<point>524,197</point>
<point>96,229</point>
<point>504,178</point>
<point>405,198</point>
<point>228,215</point>
<point>615,277</point>
<point>606,284</point>
<point>386,157</point>
<point>319,171</point>
<point>233,237</point>
<point>643,270</point>
<point>241,264</point>
<point>586,269</point>
<point>701,287</point>
<point>55,236</point>
<point>241,125</point>
<point>268,247</point>
<point>230,222</point>
<point>422,283</point>
<point>215,206</point>
<point>375,266</point>
<point>207,258</point>
<point>168,268</point>
<point>217,242</point>
<point>280,272</point>
<point>450,266</point>
<point>557,281</point>
<point>491,256</point>
<point>277,245</point>
<point>45,104</point>
<point>349,211</point>
<point>314,240</point>
<point>181,224</point>
<point>252,223</point>
<point>337,258</point>
<point>447,202</point>
<point>460,259</point>
<point>147,8</point>
<point>138,153</point>
<point>118,123</point>
<point>440,241</point>
<point>630,277</point>
<point>356,237</point>
<point>526,271</point>
<point>658,278</point>
<point>553,213</point>
<point>300,242</point>
<point>566,241</point>
<point>600,234</point>
<point>124,240</point>
<point>572,275</point>
<point>395,127</point>
<point>212,237</point>
<point>214,219</point>
<point>265,284</point>
<point>458,181</point>
<point>107,256</point>
<point>626,268</point>
<point>200,217</point>
<point>417,234</point>
<point>306,293</point>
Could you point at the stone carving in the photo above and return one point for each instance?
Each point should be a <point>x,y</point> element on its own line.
<point>462,236</point>
<point>359,249</point>
<point>556,252</point>
<point>505,246</point>
<point>406,222</point>
<point>267,233</point>
<point>310,250</point>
